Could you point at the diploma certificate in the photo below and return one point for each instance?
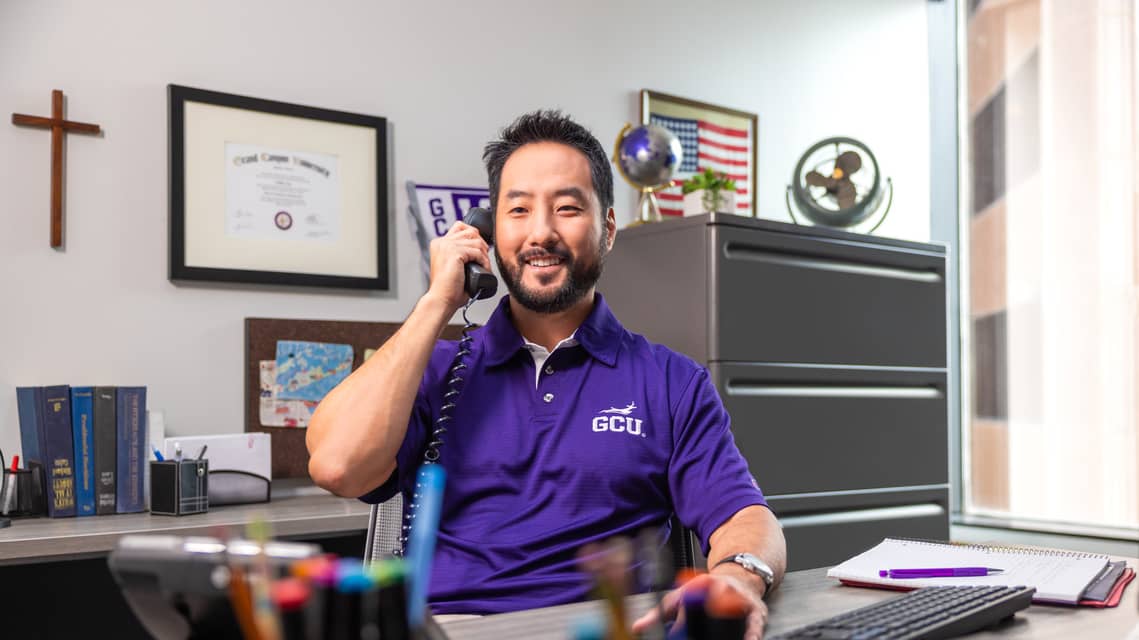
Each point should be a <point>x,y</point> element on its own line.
<point>279,194</point>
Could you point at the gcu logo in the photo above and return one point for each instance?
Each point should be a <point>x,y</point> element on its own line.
<point>619,423</point>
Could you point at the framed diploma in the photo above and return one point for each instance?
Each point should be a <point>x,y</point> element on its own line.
<point>274,193</point>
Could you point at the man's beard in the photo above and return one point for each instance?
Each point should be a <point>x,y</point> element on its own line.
<point>581,275</point>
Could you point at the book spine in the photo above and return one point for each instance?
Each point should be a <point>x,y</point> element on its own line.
<point>82,433</point>
<point>130,409</point>
<point>30,403</point>
<point>105,450</point>
<point>59,452</point>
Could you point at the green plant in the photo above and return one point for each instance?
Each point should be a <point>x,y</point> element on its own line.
<point>712,183</point>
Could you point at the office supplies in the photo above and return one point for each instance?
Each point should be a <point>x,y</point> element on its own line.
<point>179,487</point>
<point>421,545</point>
<point>290,596</point>
<point>157,454</point>
<point>1058,576</point>
<point>931,612</point>
<point>240,464</point>
<point>202,452</point>
<point>939,572</point>
<point>391,599</point>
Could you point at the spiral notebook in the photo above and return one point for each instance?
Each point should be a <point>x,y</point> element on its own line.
<point>1059,576</point>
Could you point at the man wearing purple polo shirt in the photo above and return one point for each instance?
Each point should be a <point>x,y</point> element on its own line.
<point>569,429</point>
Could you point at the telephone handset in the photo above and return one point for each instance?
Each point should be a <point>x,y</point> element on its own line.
<point>480,283</point>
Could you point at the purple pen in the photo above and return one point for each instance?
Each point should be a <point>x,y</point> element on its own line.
<point>938,572</point>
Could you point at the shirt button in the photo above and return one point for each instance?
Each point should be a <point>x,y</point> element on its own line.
<point>549,370</point>
<point>549,397</point>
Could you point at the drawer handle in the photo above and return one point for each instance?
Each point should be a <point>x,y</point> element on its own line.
<point>863,515</point>
<point>736,251</point>
<point>830,391</point>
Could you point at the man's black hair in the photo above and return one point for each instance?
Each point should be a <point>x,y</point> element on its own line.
<point>549,126</point>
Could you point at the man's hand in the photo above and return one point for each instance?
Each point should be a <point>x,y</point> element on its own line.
<point>719,587</point>
<point>449,254</point>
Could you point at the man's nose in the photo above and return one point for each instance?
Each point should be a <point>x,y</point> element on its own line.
<point>542,229</point>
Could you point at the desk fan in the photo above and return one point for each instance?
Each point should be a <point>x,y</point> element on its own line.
<point>833,186</point>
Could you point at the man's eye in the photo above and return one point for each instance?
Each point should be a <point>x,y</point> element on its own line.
<point>569,209</point>
<point>518,210</point>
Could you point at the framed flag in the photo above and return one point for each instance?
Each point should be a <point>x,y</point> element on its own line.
<point>713,137</point>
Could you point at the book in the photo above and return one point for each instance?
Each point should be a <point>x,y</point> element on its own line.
<point>1059,576</point>
<point>130,452</point>
<point>106,443</point>
<point>82,434</point>
<point>30,405</point>
<point>59,451</point>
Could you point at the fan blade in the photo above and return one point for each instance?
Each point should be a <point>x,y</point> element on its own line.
<point>816,179</point>
<point>849,162</point>
<point>846,194</point>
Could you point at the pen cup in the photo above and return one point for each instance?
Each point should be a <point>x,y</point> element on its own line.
<point>22,493</point>
<point>179,487</point>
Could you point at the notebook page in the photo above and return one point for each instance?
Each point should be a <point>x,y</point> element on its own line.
<point>1058,576</point>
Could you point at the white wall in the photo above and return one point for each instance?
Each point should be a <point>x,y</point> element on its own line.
<point>447,75</point>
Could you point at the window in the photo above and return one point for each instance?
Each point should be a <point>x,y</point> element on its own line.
<point>1052,348</point>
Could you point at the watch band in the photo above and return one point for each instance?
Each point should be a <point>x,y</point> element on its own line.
<point>753,565</point>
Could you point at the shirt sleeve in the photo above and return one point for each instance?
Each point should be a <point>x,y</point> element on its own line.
<point>410,450</point>
<point>707,475</point>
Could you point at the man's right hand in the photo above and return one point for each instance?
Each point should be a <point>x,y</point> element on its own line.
<point>449,255</point>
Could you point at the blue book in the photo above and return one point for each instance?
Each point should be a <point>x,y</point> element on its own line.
<point>83,436</point>
<point>130,452</point>
<point>59,451</point>
<point>30,402</point>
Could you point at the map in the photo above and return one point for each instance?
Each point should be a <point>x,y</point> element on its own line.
<point>309,370</point>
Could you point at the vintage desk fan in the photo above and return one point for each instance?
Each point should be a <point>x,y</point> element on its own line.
<point>836,184</point>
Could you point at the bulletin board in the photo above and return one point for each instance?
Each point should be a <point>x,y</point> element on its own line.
<point>290,455</point>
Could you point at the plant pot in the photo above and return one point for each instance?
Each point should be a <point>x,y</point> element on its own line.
<point>700,202</point>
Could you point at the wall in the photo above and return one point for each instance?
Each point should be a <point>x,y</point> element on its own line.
<point>447,76</point>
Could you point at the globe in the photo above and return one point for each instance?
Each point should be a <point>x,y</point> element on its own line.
<point>648,155</point>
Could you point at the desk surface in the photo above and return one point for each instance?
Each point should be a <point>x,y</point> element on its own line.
<point>49,539</point>
<point>809,596</point>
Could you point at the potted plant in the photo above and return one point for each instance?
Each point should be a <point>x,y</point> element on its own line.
<point>708,192</point>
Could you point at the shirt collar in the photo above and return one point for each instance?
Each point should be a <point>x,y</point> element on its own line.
<point>600,334</point>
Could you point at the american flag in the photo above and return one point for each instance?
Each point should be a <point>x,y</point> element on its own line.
<point>707,146</point>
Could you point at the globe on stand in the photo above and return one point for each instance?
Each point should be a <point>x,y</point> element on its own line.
<point>646,157</point>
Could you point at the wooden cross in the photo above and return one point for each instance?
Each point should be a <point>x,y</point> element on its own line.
<point>58,126</point>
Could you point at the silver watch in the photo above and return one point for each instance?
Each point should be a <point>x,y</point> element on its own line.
<point>754,565</point>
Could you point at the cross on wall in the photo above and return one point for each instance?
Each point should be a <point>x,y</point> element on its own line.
<point>58,127</point>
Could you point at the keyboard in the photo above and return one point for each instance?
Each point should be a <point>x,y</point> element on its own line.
<point>929,612</point>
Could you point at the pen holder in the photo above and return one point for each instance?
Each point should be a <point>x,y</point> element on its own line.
<point>22,493</point>
<point>179,487</point>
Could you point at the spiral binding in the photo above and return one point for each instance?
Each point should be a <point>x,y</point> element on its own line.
<point>1028,551</point>
<point>431,455</point>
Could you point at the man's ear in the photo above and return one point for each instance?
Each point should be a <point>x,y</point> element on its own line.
<point>610,228</point>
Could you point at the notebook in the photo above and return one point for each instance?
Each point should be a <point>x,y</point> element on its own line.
<point>1059,576</point>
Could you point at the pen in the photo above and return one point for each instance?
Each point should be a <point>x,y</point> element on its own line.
<point>938,572</point>
<point>202,452</point>
<point>157,454</point>
<point>15,463</point>
<point>421,545</point>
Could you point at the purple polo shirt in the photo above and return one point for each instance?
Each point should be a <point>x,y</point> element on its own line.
<point>619,434</point>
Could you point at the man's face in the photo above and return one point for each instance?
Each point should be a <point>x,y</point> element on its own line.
<point>550,234</point>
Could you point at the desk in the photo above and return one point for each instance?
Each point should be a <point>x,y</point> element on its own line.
<point>291,516</point>
<point>808,596</point>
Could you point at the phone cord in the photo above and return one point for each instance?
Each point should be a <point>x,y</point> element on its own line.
<point>454,386</point>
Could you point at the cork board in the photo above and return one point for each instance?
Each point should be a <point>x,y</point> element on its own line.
<point>290,456</point>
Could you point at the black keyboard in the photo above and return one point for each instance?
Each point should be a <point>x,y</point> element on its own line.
<point>930,612</point>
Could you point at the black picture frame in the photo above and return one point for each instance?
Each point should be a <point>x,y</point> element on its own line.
<point>291,271</point>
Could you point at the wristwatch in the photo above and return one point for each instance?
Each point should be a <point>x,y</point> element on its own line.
<point>754,565</point>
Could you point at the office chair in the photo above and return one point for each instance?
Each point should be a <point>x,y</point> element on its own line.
<point>386,518</point>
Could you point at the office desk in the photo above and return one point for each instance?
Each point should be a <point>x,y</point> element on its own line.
<point>291,516</point>
<point>808,596</point>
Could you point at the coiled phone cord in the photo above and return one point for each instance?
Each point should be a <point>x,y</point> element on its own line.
<point>454,387</point>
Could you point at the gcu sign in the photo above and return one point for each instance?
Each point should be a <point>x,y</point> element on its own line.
<point>618,424</point>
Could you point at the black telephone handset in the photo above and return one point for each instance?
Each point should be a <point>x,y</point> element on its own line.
<point>480,283</point>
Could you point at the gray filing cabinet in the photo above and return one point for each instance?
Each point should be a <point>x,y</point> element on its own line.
<point>829,351</point>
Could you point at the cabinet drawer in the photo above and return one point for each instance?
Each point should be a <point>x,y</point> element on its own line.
<point>786,298</point>
<point>810,429</point>
<point>827,538</point>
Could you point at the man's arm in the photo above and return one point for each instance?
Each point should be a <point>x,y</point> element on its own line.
<point>751,530</point>
<point>357,429</point>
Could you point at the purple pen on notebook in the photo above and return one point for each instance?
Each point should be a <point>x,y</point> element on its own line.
<point>938,572</point>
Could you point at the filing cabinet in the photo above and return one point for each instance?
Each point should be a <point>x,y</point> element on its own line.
<point>829,351</point>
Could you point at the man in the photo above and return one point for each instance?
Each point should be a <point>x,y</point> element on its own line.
<point>569,429</point>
